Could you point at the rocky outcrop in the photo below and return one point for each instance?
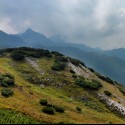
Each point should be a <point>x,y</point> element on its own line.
<point>34,64</point>
<point>80,70</point>
<point>113,105</point>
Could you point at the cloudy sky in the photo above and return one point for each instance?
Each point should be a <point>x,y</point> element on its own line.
<point>96,23</point>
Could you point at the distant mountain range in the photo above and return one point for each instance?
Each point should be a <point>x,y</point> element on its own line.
<point>110,63</point>
<point>7,40</point>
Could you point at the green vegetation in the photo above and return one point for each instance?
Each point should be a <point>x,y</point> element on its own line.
<point>7,80</point>
<point>59,109</point>
<point>122,90</point>
<point>107,93</point>
<point>95,106</point>
<point>92,70</point>
<point>107,79</point>
<point>76,62</point>
<point>72,71</point>
<point>20,53</point>
<point>90,84</point>
<point>74,76</point>
<point>57,66</point>
<point>12,117</point>
<point>17,55</point>
<point>7,92</point>
<point>55,107</point>
<point>43,102</point>
<point>78,109</point>
<point>61,92</point>
<point>48,110</point>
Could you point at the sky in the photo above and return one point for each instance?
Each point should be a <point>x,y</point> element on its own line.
<point>96,23</point>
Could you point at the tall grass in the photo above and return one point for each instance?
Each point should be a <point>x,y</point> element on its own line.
<point>8,116</point>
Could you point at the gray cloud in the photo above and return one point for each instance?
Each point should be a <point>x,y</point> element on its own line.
<point>97,23</point>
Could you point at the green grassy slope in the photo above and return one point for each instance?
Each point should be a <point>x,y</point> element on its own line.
<point>58,88</point>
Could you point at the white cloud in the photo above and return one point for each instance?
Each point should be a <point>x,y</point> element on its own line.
<point>5,25</point>
<point>92,22</point>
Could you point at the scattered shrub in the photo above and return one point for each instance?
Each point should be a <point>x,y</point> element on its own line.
<point>107,93</point>
<point>122,90</point>
<point>72,71</point>
<point>58,66</point>
<point>91,84</point>
<point>7,80</point>
<point>17,55</point>
<point>9,76</point>
<point>78,109</point>
<point>48,110</point>
<point>74,76</point>
<point>4,84</point>
<point>92,70</point>
<point>7,92</point>
<point>107,79</point>
<point>59,109</point>
<point>56,53</point>
<point>61,58</point>
<point>76,62</point>
<point>49,105</point>
<point>43,102</point>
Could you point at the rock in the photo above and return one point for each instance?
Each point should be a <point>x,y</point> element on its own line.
<point>115,106</point>
<point>42,86</point>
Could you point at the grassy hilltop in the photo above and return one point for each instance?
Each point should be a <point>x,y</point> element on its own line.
<point>38,86</point>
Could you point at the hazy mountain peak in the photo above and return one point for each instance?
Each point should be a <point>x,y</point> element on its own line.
<point>29,30</point>
<point>2,32</point>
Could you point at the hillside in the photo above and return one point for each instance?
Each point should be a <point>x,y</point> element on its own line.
<point>72,92</point>
<point>109,63</point>
<point>110,66</point>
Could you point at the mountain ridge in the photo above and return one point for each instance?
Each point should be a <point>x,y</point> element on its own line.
<point>90,56</point>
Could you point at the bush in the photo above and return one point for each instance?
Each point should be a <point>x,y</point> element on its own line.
<point>61,58</point>
<point>9,76</point>
<point>58,66</point>
<point>92,70</point>
<point>7,92</point>
<point>17,55</point>
<point>49,105</point>
<point>74,76</point>
<point>107,93</point>
<point>43,102</point>
<point>91,84</point>
<point>48,110</point>
<point>78,109</point>
<point>76,62</point>
<point>4,84</point>
<point>107,79</point>
<point>59,109</point>
<point>72,71</point>
<point>7,80</point>
<point>122,90</point>
<point>56,53</point>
